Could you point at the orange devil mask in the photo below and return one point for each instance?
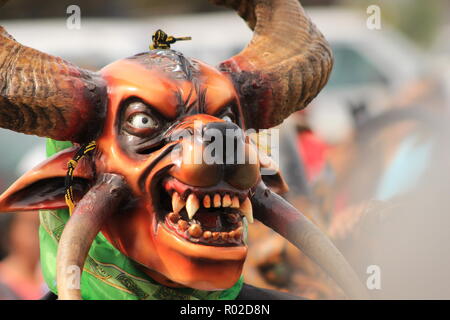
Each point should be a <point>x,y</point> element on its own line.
<point>182,221</point>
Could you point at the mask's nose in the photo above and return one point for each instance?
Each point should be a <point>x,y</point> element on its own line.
<point>215,153</point>
<point>232,141</point>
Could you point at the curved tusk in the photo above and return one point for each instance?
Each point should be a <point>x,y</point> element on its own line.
<point>279,215</point>
<point>81,229</point>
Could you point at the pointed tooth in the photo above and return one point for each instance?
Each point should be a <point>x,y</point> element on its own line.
<point>177,202</point>
<point>224,236</point>
<point>192,205</point>
<point>207,201</point>
<point>235,202</point>
<point>217,200</point>
<point>247,210</point>
<point>216,235</point>
<point>226,201</point>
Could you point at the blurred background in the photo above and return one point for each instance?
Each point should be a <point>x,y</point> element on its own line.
<point>368,160</point>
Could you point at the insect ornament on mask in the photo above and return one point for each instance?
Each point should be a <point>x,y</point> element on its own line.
<point>182,222</point>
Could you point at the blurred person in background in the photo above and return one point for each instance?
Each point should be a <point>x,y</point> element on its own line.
<point>380,183</point>
<point>20,275</point>
<point>393,204</point>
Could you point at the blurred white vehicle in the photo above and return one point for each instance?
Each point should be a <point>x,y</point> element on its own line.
<point>371,67</point>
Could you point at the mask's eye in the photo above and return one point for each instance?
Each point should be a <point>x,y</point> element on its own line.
<point>140,119</point>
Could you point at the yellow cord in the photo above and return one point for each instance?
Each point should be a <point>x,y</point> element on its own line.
<point>71,165</point>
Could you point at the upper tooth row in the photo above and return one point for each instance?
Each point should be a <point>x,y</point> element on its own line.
<point>193,204</point>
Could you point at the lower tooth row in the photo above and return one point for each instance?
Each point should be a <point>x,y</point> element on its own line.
<point>195,230</point>
<point>225,236</point>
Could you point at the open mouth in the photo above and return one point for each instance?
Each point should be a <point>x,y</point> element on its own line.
<point>209,216</point>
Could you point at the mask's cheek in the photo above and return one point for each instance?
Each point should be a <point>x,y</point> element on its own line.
<point>112,159</point>
<point>132,232</point>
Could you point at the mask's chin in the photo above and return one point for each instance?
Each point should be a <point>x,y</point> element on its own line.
<point>198,266</point>
<point>199,242</point>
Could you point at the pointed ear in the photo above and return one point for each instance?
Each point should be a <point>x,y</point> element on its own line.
<point>276,183</point>
<point>43,186</point>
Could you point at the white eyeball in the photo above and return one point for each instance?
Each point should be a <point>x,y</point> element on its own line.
<point>142,121</point>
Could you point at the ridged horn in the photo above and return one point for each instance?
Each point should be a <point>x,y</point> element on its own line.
<point>47,96</point>
<point>284,67</point>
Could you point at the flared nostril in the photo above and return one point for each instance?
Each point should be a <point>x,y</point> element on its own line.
<point>219,154</point>
<point>227,140</point>
<point>244,174</point>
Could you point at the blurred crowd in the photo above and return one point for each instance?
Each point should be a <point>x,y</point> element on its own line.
<point>371,155</point>
<point>367,161</point>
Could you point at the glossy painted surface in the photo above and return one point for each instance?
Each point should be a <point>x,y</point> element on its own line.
<point>136,231</point>
<point>43,186</point>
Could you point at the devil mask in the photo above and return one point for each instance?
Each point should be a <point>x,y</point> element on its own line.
<point>181,221</point>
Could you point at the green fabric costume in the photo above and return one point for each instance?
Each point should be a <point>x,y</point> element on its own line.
<point>107,273</point>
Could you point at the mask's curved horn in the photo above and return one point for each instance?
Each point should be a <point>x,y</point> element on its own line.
<point>285,65</point>
<point>278,214</point>
<point>47,96</point>
<point>81,229</point>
